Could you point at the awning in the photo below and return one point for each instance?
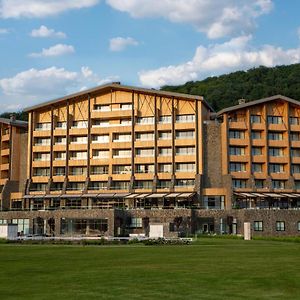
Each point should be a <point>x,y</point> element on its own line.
<point>142,195</point>
<point>28,196</point>
<point>89,195</point>
<point>121,195</point>
<point>259,195</point>
<point>248,195</point>
<point>239,194</point>
<point>172,195</point>
<point>186,195</point>
<point>111,195</point>
<point>289,195</point>
<point>71,196</point>
<point>52,196</point>
<point>39,196</point>
<point>156,195</point>
<point>298,195</point>
<point>274,195</point>
<point>130,196</point>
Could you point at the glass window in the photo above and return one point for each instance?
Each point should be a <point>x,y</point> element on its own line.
<point>185,134</point>
<point>99,170</point>
<point>145,136</point>
<point>145,152</point>
<point>122,137</point>
<point>43,126</point>
<point>255,119</point>
<point>78,155</point>
<point>164,184</point>
<point>276,136</point>
<point>236,134</point>
<point>278,184</point>
<point>165,151</point>
<point>102,107</point>
<point>42,141</point>
<point>100,138</point>
<point>97,185</point>
<point>259,183</point>
<point>76,186</point>
<point>120,185</point>
<point>79,140</point>
<point>276,168</point>
<point>165,119</point>
<point>256,150</point>
<point>61,125</point>
<point>257,168</point>
<point>295,152</point>
<point>145,120</point>
<point>80,124</point>
<point>60,140</point>
<point>136,223</point>
<point>126,106</point>
<point>121,153</point>
<point>122,169</point>
<point>256,135</point>
<point>275,120</point>
<point>236,150</point>
<point>280,226</point>
<point>258,226</point>
<point>185,150</point>
<point>165,135</point>
<point>40,156</point>
<point>78,171</point>
<point>298,226</point>
<point>144,168</point>
<point>143,184</point>
<point>185,118</point>
<point>185,167</point>
<point>237,167</point>
<point>184,182</point>
<point>294,120</point>
<point>276,151</point>
<point>295,168</point>
<point>59,171</point>
<point>98,154</point>
<point>41,171</point>
<point>239,183</point>
<point>165,168</point>
<point>297,184</point>
<point>295,136</point>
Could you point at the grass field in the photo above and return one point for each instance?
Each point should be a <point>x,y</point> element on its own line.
<point>210,269</point>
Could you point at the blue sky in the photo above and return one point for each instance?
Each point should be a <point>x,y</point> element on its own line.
<point>50,48</point>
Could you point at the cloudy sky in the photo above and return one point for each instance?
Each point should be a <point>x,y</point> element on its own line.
<point>50,48</point>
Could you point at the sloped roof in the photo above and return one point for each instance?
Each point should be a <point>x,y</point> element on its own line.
<point>255,102</point>
<point>118,87</point>
<point>16,123</point>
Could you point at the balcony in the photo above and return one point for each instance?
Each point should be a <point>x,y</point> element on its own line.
<point>277,127</point>
<point>238,125</point>
<point>5,152</point>
<point>239,158</point>
<point>238,142</point>
<point>112,114</point>
<point>5,137</point>
<point>278,143</point>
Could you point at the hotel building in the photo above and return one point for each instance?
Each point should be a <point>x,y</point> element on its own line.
<point>115,160</point>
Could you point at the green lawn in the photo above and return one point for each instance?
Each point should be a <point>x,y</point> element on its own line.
<point>210,269</point>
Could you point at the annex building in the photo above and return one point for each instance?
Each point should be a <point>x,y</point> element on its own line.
<point>119,160</point>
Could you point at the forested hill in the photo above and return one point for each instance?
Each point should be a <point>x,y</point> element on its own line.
<point>225,90</point>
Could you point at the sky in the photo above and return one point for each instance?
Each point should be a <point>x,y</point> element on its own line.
<point>51,48</point>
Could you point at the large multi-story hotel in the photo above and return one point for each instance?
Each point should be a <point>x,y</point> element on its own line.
<point>116,160</point>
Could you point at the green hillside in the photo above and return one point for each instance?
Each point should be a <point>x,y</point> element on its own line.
<point>224,91</point>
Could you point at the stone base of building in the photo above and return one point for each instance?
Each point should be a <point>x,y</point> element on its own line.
<point>175,222</point>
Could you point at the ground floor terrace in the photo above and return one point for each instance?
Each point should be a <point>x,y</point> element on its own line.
<point>180,222</point>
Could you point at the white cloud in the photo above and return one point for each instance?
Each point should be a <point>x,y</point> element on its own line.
<point>120,43</point>
<point>57,50</point>
<point>40,8</point>
<point>236,54</point>
<point>3,31</point>
<point>214,18</point>
<point>35,85</point>
<point>44,32</point>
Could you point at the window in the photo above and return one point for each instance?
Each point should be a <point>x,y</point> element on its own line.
<point>237,167</point>
<point>41,172</point>
<point>144,168</point>
<point>59,171</point>
<point>99,154</point>
<point>100,139</point>
<point>122,137</point>
<point>79,140</point>
<point>214,202</point>
<point>256,151</point>
<point>59,155</point>
<point>165,151</point>
<point>236,134</point>
<point>122,169</point>
<point>98,123</point>
<point>164,184</point>
<point>297,184</point>
<point>80,124</point>
<point>120,185</point>
<point>145,152</point>
<point>57,186</point>
<point>295,152</point>
<point>126,106</point>
<point>61,125</point>
<point>78,171</point>
<point>236,150</point>
<point>145,136</point>
<point>41,156</point>
<point>136,223</point>
<point>278,184</point>
<point>43,126</point>
<point>185,167</point>
<point>280,226</point>
<point>121,153</point>
<point>295,168</point>
<point>76,186</point>
<point>185,118</point>
<point>257,168</point>
<point>95,170</point>
<point>42,142</point>
<point>125,122</point>
<point>165,168</point>
<point>185,134</point>
<point>298,226</point>
<point>276,168</point>
<point>294,120</point>
<point>143,184</point>
<point>258,226</point>
<point>60,140</point>
<point>295,136</point>
<point>276,151</point>
<point>165,135</point>
<point>239,183</point>
<point>256,135</point>
<point>184,182</point>
<point>255,119</point>
<point>100,107</point>
<point>78,155</point>
<point>276,136</point>
<point>275,120</point>
<point>39,187</point>
<point>185,150</point>
<point>259,183</point>
<point>23,225</point>
<point>97,185</point>
<point>165,119</point>
<point>145,120</point>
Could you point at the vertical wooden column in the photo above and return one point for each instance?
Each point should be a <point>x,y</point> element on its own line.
<point>133,132</point>
<point>173,142</point>
<point>51,143</point>
<point>288,128</point>
<point>30,144</point>
<point>67,140</point>
<point>1,134</point>
<point>89,139</point>
<point>265,117</point>
<point>11,141</point>
<point>155,136</point>
<point>197,137</point>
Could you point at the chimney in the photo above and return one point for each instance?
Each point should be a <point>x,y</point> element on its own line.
<point>13,117</point>
<point>241,101</point>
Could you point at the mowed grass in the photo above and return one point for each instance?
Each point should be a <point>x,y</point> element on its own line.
<point>210,269</point>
